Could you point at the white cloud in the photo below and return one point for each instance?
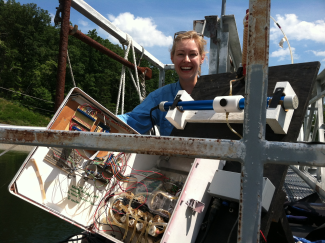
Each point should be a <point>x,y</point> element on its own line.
<point>283,54</point>
<point>142,30</point>
<point>319,53</point>
<point>83,23</point>
<point>296,29</point>
<point>52,18</point>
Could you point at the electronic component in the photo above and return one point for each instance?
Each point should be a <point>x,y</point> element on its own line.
<point>101,127</point>
<point>84,118</point>
<point>88,187</point>
<point>65,159</point>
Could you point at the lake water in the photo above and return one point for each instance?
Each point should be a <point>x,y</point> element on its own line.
<point>21,221</point>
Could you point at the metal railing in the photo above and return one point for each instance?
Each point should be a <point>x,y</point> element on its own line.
<point>313,131</point>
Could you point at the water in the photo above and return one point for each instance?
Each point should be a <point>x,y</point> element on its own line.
<point>21,221</point>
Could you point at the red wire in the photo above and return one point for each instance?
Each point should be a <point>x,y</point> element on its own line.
<point>263,235</point>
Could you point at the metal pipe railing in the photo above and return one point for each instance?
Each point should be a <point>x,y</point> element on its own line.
<point>233,150</point>
<point>89,41</point>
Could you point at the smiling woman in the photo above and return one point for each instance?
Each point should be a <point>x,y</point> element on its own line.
<point>187,54</point>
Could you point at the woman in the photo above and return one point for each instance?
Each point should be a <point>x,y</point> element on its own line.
<point>187,54</point>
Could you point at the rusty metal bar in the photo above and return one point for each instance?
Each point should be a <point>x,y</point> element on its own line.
<point>274,152</point>
<point>63,47</point>
<point>86,39</point>
<point>188,147</point>
<point>254,122</point>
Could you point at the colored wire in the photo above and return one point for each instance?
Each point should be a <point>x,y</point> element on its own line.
<point>231,81</point>
<point>227,113</point>
<point>263,236</point>
<point>232,229</point>
<point>285,37</point>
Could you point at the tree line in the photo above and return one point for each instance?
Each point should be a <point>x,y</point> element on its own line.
<point>29,47</point>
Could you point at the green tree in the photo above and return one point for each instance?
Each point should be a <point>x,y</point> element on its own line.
<point>28,51</point>
<point>29,47</point>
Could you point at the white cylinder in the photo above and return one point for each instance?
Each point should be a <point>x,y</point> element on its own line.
<point>161,105</point>
<point>222,104</point>
<point>291,102</point>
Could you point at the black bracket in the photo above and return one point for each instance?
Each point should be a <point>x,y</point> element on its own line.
<point>276,97</point>
<point>176,100</point>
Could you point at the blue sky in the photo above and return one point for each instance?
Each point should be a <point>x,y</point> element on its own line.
<point>153,23</point>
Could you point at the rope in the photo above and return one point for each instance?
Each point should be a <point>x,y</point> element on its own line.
<point>143,84</point>
<point>136,83</point>
<point>136,71</point>
<point>139,61</point>
<point>26,95</point>
<point>142,77</point>
<point>74,83</point>
<point>122,79</point>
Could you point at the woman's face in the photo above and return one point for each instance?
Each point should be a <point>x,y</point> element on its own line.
<point>187,60</point>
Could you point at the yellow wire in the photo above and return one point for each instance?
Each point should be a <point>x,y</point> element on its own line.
<point>40,181</point>
<point>231,81</point>
<point>227,113</point>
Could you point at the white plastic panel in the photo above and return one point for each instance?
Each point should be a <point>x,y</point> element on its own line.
<point>185,223</point>
<point>226,185</point>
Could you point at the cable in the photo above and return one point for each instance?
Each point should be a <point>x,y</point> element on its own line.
<point>40,181</point>
<point>232,229</point>
<point>152,120</point>
<point>231,81</point>
<point>227,113</point>
<point>263,236</point>
<point>285,37</point>
<point>26,95</point>
<point>37,108</point>
<point>213,212</point>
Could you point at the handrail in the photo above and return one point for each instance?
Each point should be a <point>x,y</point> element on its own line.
<point>86,39</point>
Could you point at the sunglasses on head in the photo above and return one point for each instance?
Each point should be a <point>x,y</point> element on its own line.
<point>182,32</point>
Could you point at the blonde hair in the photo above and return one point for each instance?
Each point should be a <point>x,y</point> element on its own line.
<point>199,40</point>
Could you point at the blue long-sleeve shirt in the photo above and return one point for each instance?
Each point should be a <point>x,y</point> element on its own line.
<point>139,118</point>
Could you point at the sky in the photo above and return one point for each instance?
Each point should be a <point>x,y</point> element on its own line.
<point>152,24</point>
